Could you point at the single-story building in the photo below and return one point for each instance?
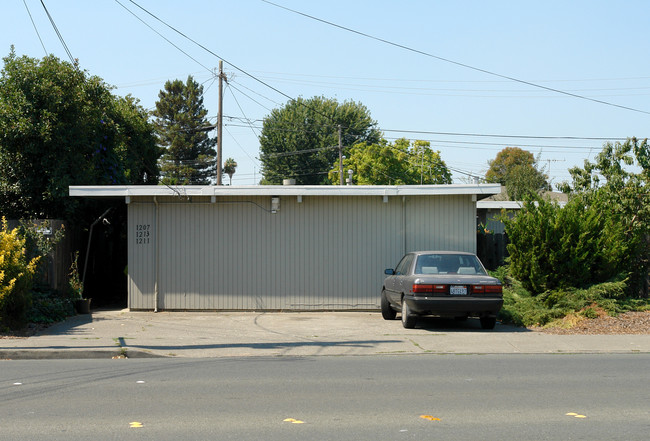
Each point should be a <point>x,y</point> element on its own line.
<point>488,213</point>
<point>490,209</point>
<point>282,247</point>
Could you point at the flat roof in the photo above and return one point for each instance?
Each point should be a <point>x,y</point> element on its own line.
<point>498,205</point>
<point>100,191</point>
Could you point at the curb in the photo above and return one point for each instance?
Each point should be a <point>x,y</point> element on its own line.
<point>38,354</point>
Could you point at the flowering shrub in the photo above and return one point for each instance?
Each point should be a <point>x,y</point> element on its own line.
<point>16,273</point>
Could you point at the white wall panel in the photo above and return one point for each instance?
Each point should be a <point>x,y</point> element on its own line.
<point>141,255</point>
<point>326,252</point>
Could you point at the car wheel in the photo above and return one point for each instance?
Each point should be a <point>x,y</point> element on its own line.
<point>488,322</point>
<point>387,312</point>
<point>408,319</point>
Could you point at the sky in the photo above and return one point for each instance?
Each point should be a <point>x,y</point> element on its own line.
<point>556,78</point>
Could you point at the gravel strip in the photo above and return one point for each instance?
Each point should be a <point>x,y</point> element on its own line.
<point>627,323</point>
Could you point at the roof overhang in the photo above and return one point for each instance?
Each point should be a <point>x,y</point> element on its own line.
<point>500,205</point>
<point>111,191</point>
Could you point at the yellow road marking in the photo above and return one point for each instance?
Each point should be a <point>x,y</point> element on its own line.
<point>575,415</point>
<point>293,421</point>
<point>429,417</point>
<point>135,425</point>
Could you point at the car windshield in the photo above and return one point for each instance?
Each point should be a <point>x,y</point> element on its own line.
<point>466,264</point>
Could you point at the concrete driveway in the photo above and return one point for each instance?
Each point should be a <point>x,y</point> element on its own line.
<point>112,333</point>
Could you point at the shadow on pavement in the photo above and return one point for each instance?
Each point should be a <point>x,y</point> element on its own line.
<point>67,327</point>
<point>268,345</point>
<point>438,324</point>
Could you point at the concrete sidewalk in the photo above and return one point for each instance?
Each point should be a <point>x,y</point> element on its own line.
<point>110,333</point>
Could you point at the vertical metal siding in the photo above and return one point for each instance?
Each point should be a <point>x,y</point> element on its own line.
<point>141,256</point>
<point>441,223</point>
<point>323,253</point>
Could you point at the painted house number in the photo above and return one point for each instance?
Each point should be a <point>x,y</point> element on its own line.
<point>142,234</point>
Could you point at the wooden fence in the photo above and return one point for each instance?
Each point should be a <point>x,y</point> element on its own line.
<point>491,249</point>
<point>56,266</point>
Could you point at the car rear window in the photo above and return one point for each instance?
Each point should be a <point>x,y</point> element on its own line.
<point>463,264</point>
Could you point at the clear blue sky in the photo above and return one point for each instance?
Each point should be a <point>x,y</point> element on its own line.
<point>596,49</point>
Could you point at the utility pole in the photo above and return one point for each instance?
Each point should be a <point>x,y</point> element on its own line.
<point>422,168</point>
<point>220,123</point>
<point>340,156</point>
<point>549,166</point>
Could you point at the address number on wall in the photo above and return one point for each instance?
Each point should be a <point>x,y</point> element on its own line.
<point>142,234</point>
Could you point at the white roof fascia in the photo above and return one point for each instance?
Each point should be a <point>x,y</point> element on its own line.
<point>498,205</point>
<point>508,205</point>
<point>285,190</point>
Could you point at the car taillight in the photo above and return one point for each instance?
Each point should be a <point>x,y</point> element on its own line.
<point>421,288</point>
<point>493,289</point>
<point>486,289</point>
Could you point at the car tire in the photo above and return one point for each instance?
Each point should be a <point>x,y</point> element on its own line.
<point>488,322</point>
<point>387,312</point>
<point>408,319</point>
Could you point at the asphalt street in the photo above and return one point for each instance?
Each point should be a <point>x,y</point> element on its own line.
<point>374,397</point>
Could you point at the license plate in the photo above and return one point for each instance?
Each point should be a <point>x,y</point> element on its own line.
<point>458,290</point>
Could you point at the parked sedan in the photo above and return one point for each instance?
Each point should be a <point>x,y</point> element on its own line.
<point>441,283</point>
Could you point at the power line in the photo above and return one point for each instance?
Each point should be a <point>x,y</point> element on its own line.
<point>256,93</point>
<point>395,89</point>
<point>65,46</point>
<point>247,96</point>
<point>447,60</point>
<point>300,152</point>
<point>34,24</point>
<point>165,38</point>
<point>482,135</point>
<point>245,118</point>
<point>240,147</point>
<point>300,102</point>
<point>430,80</point>
<point>242,111</point>
<point>211,52</point>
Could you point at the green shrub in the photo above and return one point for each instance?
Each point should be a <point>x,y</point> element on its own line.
<point>552,247</point>
<point>49,307</point>
<point>590,313</point>
<point>16,274</point>
<point>521,308</point>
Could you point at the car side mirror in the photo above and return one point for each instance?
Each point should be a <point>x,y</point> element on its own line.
<point>389,272</point>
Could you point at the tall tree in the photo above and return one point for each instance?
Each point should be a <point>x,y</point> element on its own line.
<point>519,172</point>
<point>301,141</point>
<point>189,155</point>
<point>400,163</point>
<point>60,126</point>
<point>229,168</point>
<point>136,145</point>
<point>615,186</point>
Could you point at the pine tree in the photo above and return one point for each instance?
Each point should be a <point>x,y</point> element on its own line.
<point>189,156</point>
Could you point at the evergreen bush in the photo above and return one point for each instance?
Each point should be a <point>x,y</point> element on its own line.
<point>577,245</point>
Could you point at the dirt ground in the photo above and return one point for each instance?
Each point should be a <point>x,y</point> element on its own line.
<point>627,323</point>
